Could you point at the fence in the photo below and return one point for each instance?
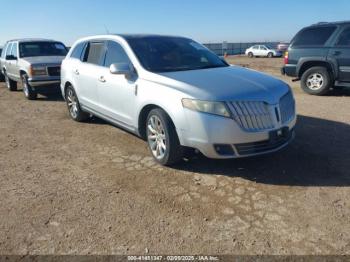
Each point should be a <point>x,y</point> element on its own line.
<point>235,48</point>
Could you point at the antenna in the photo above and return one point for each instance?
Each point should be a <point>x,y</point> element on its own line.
<point>107,31</point>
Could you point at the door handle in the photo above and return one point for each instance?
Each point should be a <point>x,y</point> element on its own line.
<point>336,53</point>
<point>102,79</point>
<point>76,71</point>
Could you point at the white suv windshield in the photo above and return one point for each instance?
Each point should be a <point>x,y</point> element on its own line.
<point>31,49</point>
<point>168,54</point>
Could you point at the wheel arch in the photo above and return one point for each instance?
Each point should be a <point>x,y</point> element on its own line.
<point>142,118</point>
<point>66,85</point>
<point>305,65</point>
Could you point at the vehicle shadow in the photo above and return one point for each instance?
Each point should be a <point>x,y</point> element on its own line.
<point>50,95</point>
<point>342,91</point>
<point>319,156</point>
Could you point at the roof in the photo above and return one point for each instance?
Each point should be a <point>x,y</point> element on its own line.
<point>134,36</point>
<point>31,40</point>
<point>332,23</point>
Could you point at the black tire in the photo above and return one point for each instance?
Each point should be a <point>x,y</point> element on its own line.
<point>10,84</point>
<point>173,151</point>
<point>28,91</point>
<point>270,55</point>
<point>250,54</point>
<point>325,81</point>
<point>74,109</point>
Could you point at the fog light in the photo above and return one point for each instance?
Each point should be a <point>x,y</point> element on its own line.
<point>224,150</point>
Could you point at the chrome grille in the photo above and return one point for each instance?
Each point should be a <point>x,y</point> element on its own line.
<point>287,107</point>
<point>252,115</point>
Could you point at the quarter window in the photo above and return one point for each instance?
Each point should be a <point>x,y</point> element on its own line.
<point>14,50</point>
<point>8,49</point>
<point>344,38</point>
<point>94,52</point>
<point>78,50</point>
<point>314,36</point>
<point>115,54</point>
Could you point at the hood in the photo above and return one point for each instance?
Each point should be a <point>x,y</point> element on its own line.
<point>44,59</point>
<point>230,83</point>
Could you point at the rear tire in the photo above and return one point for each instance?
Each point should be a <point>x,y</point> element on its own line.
<point>162,138</point>
<point>28,91</point>
<point>73,105</point>
<point>250,55</point>
<point>316,81</point>
<point>10,84</point>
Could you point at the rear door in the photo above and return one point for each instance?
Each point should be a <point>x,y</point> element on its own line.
<point>263,50</point>
<point>87,72</point>
<point>6,63</point>
<point>13,70</point>
<point>341,54</point>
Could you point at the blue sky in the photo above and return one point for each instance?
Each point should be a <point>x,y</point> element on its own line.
<point>202,20</point>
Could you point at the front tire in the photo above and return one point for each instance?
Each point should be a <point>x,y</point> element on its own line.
<point>270,55</point>
<point>10,84</point>
<point>316,81</point>
<point>162,138</point>
<point>73,105</point>
<point>250,55</point>
<point>28,91</point>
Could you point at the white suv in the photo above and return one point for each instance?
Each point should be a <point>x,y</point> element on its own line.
<point>175,93</point>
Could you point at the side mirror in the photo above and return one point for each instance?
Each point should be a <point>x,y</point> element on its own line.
<point>10,57</point>
<point>120,69</point>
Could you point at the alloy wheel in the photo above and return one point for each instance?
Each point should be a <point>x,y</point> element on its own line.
<point>72,103</point>
<point>25,87</point>
<point>7,80</point>
<point>315,81</point>
<point>156,137</point>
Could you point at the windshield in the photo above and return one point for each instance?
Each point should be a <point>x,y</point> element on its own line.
<point>31,49</point>
<point>168,54</point>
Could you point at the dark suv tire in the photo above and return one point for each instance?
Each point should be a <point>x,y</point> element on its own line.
<point>316,81</point>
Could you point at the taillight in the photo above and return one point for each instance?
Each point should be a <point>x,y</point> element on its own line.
<point>286,58</point>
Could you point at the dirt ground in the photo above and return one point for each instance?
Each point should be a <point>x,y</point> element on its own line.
<point>91,188</point>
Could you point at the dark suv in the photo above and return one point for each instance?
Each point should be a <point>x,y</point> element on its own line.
<point>319,56</point>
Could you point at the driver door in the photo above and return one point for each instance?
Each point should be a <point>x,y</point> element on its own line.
<point>117,93</point>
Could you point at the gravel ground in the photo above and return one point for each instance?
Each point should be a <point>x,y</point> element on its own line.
<point>91,188</point>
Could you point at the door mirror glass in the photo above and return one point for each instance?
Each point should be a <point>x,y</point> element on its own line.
<point>120,69</point>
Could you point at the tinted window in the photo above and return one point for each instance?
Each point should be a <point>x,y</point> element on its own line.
<point>115,54</point>
<point>94,52</point>
<point>167,54</point>
<point>3,52</point>
<point>31,49</point>
<point>77,51</point>
<point>314,36</point>
<point>344,38</point>
<point>8,49</point>
<point>14,50</point>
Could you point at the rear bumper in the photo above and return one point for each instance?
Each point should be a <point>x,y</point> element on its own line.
<point>289,70</point>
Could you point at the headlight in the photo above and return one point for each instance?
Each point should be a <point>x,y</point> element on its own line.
<point>38,70</point>
<point>216,108</point>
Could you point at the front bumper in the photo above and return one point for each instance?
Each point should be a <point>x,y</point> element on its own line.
<point>208,132</point>
<point>44,81</point>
